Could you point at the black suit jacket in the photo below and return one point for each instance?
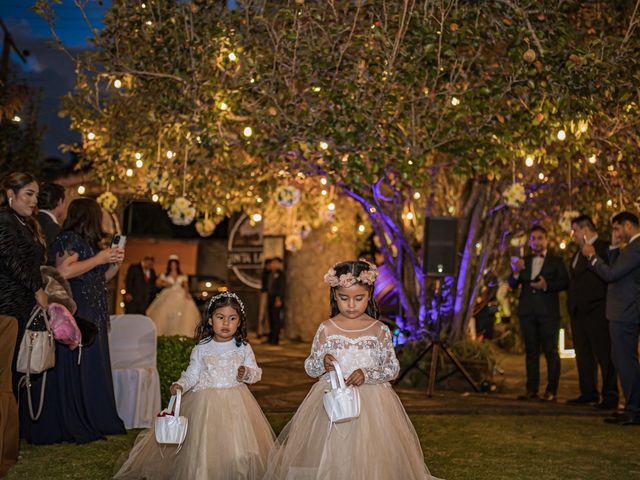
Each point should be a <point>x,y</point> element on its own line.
<point>50,228</point>
<point>587,291</point>
<point>142,291</point>
<point>278,286</point>
<point>538,302</point>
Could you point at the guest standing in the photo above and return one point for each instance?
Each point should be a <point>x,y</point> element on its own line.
<point>541,275</point>
<point>275,300</point>
<point>263,314</point>
<point>623,307</point>
<point>51,210</point>
<point>80,405</point>
<point>589,325</point>
<point>140,285</point>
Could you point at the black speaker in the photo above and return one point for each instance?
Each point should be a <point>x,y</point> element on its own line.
<point>440,254</point>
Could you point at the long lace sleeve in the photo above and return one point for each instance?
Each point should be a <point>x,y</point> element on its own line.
<point>192,374</point>
<point>252,373</point>
<point>388,366</point>
<point>314,364</point>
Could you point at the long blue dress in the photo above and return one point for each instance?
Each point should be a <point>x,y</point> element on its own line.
<point>79,401</point>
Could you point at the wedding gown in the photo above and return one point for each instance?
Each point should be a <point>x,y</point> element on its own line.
<point>173,311</point>
<point>381,444</point>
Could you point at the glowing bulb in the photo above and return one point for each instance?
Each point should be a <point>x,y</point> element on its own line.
<point>609,203</point>
<point>563,245</point>
<point>541,176</point>
<point>323,181</point>
<point>208,284</point>
<point>121,304</point>
<point>223,106</point>
<point>144,5</point>
<point>123,291</point>
<point>154,198</point>
<point>478,246</point>
<point>259,199</point>
<point>129,172</point>
<point>219,210</point>
<point>81,189</point>
<point>139,163</point>
<point>138,155</point>
<point>593,159</point>
<point>149,22</point>
<point>334,229</point>
<point>455,101</point>
<point>361,228</point>
<point>417,195</point>
<point>91,135</point>
<point>331,206</point>
<point>316,89</point>
<point>256,217</point>
<point>16,118</point>
<point>117,83</point>
<point>324,145</point>
<point>205,294</point>
<point>529,161</point>
<point>233,57</point>
<point>452,209</point>
<point>410,162</point>
<point>562,135</point>
<point>372,210</point>
<point>410,216</point>
<point>170,154</point>
<point>323,193</point>
<point>247,132</point>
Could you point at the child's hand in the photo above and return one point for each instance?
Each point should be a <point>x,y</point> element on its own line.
<point>356,378</point>
<point>174,388</point>
<point>242,370</point>
<point>328,362</point>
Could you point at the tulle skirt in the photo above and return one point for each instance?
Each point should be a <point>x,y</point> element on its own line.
<point>174,312</point>
<point>379,445</point>
<point>228,438</point>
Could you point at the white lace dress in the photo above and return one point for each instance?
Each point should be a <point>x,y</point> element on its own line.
<point>379,445</point>
<point>229,438</point>
<point>173,311</point>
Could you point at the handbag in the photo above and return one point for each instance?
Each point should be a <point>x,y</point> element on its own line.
<point>63,325</point>
<point>37,354</point>
<point>341,403</point>
<point>170,427</point>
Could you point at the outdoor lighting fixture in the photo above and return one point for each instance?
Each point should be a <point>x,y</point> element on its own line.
<point>138,155</point>
<point>410,216</point>
<point>117,83</point>
<point>219,210</point>
<point>123,291</point>
<point>541,176</point>
<point>593,159</point>
<point>316,89</point>
<point>324,193</point>
<point>16,118</point>
<point>149,22</point>
<point>247,132</point>
<point>331,206</point>
<point>609,203</point>
<point>129,172</point>
<point>416,195</point>
<point>205,294</point>
<point>529,161</point>
<point>334,229</point>
<point>223,106</point>
<point>256,217</point>
<point>144,5</point>
<point>323,181</point>
<point>170,154</point>
<point>561,135</point>
<point>139,163</point>
<point>154,198</point>
<point>361,228</point>
<point>324,145</point>
<point>455,101</point>
<point>91,135</point>
<point>121,304</point>
<point>208,284</point>
<point>563,245</point>
<point>81,189</point>
<point>233,57</point>
<point>372,210</point>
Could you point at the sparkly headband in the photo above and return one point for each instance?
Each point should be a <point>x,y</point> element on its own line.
<point>367,277</point>
<point>223,295</point>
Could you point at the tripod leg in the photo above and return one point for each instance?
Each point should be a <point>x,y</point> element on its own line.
<point>461,369</point>
<point>432,370</point>
<point>413,365</point>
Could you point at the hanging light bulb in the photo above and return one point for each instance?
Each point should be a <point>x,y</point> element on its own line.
<point>563,245</point>
<point>117,83</point>
<point>247,132</point>
<point>223,106</point>
<point>361,228</point>
<point>170,154</point>
<point>81,189</point>
<point>139,163</point>
<point>323,181</point>
<point>129,172</point>
<point>331,206</point>
<point>593,159</point>
<point>154,198</point>
<point>541,176</point>
<point>91,135</point>
<point>138,155</point>
<point>233,57</point>
<point>324,145</point>
<point>455,101</point>
<point>324,193</point>
<point>16,118</point>
<point>256,217</point>
<point>417,195</point>
<point>562,135</point>
<point>529,161</point>
<point>334,229</point>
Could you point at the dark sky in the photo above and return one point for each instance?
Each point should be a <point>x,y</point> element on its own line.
<point>47,69</point>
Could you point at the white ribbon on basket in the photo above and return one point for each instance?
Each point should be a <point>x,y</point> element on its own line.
<point>341,403</point>
<point>170,427</point>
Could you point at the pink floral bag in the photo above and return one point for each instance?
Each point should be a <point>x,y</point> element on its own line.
<point>64,326</point>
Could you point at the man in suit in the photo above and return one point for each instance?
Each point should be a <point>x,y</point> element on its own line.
<point>263,314</point>
<point>589,325</point>
<point>140,284</point>
<point>275,299</point>
<point>623,307</point>
<point>51,210</point>
<point>541,275</point>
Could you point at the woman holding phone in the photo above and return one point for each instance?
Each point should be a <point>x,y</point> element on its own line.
<point>79,404</point>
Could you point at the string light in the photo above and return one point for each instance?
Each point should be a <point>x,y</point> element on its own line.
<point>205,294</point>
<point>529,161</point>
<point>455,101</point>
<point>563,245</point>
<point>91,135</point>
<point>81,189</point>
<point>417,195</point>
<point>324,145</point>
<point>223,106</point>
<point>331,206</point>
<point>208,284</point>
<point>139,163</point>
<point>117,83</point>
<point>541,176</point>
<point>149,22</point>
<point>317,89</point>
<point>219,210</point>
<point>609,203</point>
<point>323,193</point>
<point>247,132</point>
<point>144,5</point>
<point>170,154</point>
<point>259,199</point>
<point>323,181</point>
<point>138,155</point>
<point>410,162</point>
<point>361,228</point>
<point>233,57</point>
<point>256,217</point>
<point>562,135</point>
<point>16,118</point>
<point>593,159</point>
<point>129,172</point>
<point>123,291</point>
<point>154,198</point>
<point>372,210</point>
<point>410,216</point>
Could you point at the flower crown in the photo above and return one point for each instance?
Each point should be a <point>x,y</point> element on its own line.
<point>367,277</point>
<point>223,295</point>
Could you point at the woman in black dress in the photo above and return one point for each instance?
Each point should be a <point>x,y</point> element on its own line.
<point>79,402</point>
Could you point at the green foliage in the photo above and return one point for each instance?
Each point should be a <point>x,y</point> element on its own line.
<point>172,359</point>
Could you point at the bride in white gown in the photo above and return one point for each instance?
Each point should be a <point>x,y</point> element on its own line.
<point>173,311</point>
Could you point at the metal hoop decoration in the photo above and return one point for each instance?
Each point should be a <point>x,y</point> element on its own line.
<point>225,295</point>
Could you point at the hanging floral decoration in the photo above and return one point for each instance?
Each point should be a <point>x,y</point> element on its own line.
<point>514,196</point>
<point>565,220</point>
<point>205,226</point>
<point>108,201</point>
<point>303,229</point>
<point>293,243</point>
<point>182,212</point>
<point>287,196</point>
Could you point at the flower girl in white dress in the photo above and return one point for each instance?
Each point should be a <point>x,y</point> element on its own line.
<point>381,444</point>
<point>228,437</point>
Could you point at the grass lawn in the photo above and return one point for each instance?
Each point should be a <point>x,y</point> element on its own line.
<point>456,447</point>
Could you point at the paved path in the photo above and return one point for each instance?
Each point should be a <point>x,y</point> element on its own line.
<point>285,384</point>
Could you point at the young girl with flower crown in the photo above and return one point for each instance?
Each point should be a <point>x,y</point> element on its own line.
<point>381,444</point>
<point>228,437</point>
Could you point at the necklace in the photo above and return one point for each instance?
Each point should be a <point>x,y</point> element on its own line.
<point>24,224</point>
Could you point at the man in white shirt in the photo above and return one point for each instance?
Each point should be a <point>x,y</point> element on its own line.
<point>623,307</point>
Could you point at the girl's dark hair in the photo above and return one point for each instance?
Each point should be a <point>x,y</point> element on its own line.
<point>16,181</point>
<point>84,217</point>
<point>177,262</point>
<point>204,331</point>
<point>356,267</point>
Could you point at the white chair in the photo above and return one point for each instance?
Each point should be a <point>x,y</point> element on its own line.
<point>136,383</point>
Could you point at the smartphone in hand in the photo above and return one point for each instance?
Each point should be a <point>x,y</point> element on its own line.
<point>118,241</point>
